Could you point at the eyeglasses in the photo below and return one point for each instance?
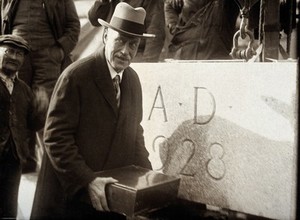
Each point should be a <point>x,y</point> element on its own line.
<point>10,52</point>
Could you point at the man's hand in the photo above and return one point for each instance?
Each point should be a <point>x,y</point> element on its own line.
<point>172,28</point>
<point>41,100</point>
<point>96,190</point>
<point>177,4</point>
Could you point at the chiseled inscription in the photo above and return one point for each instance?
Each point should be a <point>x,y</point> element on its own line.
<point>204,111</point>
<point>200,93</point>
<point>208,116</point>
<point>155,147</point>
<point>159,92</point>
<point>189,148</point>
<point>216,166</point>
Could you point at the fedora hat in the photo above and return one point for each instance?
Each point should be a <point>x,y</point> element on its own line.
<point>15,41</point>
<point>128,20</point>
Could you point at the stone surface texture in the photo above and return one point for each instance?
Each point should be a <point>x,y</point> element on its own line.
<point>228,130</point>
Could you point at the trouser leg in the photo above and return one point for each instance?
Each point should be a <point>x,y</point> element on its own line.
<point>10,176</point>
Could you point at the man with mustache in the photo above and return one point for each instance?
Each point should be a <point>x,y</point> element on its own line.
<point>18,116</point>
<point>93,124</point>
<point>149,49</point>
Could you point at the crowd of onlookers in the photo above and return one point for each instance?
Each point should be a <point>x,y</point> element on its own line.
<point>184,29</point>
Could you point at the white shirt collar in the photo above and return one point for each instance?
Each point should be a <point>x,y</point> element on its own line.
<point>113,72</point>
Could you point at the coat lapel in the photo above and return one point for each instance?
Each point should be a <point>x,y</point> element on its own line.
<point>103,80</point>
<point>118,155</point>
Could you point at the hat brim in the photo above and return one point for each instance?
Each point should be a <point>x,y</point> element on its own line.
<point>16,44</point>
<point>104,23</point>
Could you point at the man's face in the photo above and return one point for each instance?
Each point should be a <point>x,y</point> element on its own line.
<point>11,59</point>
<point>120,49</point>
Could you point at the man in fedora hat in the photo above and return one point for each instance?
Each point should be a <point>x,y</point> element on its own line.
<point>150,49</point>
<point>18,115</point>
<point>93,124</point>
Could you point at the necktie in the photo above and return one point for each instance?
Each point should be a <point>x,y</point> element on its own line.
<point>116,81</point>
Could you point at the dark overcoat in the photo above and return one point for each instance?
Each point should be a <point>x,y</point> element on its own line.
<point>85,132</point>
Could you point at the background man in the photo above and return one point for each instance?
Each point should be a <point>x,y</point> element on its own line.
<point>92,125</point>
<point>201,29</point>
<point>18,116</point>
<point>51,28</point>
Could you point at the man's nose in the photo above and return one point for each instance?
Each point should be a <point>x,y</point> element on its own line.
<point>14,55</point>
<point>126,48</point>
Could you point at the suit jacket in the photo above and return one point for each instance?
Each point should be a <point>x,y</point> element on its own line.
<point>62,17</point>
<point>85,132</point>
<point>18,116</point>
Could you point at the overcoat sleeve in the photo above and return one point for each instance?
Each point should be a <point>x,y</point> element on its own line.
<point>141,153</point>
<point>59,137</point>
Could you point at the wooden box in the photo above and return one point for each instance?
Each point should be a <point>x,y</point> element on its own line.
<point>139,190</point>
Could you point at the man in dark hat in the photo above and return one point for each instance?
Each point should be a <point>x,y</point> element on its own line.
<point>149,49</point>
<point>93,124</point>
<point>18,115</point>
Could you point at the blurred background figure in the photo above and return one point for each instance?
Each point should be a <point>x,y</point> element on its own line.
<point>149,49</point>
<point>51,28</point>
<point>200,29</point>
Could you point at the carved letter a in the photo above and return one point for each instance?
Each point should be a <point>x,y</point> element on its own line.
<point>159,107</point>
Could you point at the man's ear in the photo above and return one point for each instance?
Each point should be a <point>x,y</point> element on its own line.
<point>104,38</point>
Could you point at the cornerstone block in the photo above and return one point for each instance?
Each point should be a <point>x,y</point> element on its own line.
<point>227,129</point>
